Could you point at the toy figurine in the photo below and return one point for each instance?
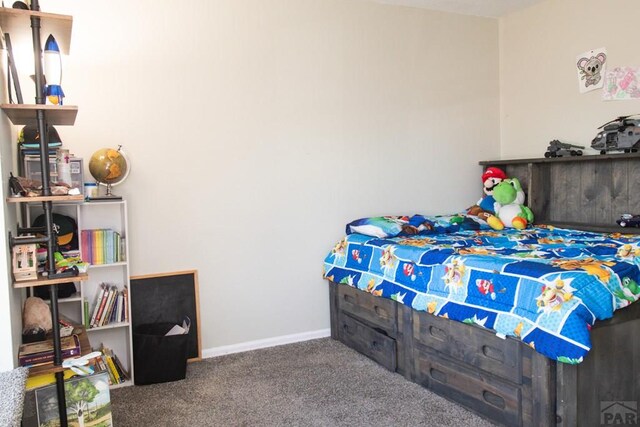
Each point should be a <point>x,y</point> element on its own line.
<point>560,149</point>
<point>53,71</point>
<point>621,134</point>
<point>628,220</point>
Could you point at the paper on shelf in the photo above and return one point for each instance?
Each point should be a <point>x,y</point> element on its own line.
<point>180,330</point>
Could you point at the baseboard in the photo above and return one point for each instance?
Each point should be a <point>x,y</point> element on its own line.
<point>268,342</point>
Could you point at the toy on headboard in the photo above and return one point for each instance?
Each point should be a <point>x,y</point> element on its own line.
<point>510,207</point>
<point>485,207</point>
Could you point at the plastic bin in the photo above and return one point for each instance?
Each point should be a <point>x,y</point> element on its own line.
<point>157,358</point>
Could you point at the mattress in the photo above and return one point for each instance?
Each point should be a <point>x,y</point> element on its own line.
<point>544,285</point>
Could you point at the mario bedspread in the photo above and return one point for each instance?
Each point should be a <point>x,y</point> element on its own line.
<point>544,285</point>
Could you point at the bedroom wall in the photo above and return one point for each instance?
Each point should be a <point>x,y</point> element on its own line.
<point>257,129</point>
<point>10,299</point>
<point>540,100</point>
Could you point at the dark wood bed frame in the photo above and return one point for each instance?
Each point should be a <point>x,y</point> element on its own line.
<point>505,380</point>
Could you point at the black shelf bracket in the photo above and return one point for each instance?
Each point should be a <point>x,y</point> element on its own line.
<point>47,206</point>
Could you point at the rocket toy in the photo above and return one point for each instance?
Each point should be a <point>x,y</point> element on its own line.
<point>53,71</point>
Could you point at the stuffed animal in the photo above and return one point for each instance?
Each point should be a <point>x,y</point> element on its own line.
<point>509,206</point>
<point>36,315</point>
<point>485,207</point>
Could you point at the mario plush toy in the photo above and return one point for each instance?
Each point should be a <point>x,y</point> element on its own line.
<point>485,207</point>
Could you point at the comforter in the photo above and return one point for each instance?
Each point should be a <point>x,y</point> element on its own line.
<point>545,286</point>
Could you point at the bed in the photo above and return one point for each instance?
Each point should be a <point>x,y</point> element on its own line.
<point>521,327</point>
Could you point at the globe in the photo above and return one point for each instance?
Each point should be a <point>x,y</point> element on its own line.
<point>109,167</point>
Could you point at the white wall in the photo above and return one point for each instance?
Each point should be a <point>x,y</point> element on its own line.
<point>10,300</point>
<point>540,100</point>
<point>258,129</point>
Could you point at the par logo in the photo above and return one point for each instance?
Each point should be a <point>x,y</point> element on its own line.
<point>619,413</point>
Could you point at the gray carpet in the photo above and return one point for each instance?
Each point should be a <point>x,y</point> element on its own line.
<point>313,383</point>
<point>12,397</point>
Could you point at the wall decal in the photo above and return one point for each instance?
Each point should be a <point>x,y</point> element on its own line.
<point>591,66</point>
<point>621,83</point>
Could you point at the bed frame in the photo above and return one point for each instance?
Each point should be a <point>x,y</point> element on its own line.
<point>505,380</point>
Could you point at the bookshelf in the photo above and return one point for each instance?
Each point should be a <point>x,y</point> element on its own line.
<point>25,24</point>
<point>91,216</point>
<point>25,114</point>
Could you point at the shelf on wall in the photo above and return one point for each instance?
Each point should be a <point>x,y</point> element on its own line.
<point>125,383</point>
<point>85,348</point>
<point>565,159</point>
<point>43,281</point>
<point>25,114</point>
<point>598,228</point>
<point>78,198</point>
<point>75,297</point>
<point>17,22</point>
<point>112,264</point>
<point>109,326</point>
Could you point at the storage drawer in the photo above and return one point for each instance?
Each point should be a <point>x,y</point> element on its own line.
<point>379,312</point>
<point>480,391</point>
<point>368,341</point>
<point>470,344</point>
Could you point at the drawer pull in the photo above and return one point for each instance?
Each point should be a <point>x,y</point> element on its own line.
<point>380,311</point>
<point>349,298</point>
<point>347,329</point>
<point>437,375</point>
<point>493,353</point>
<point>374,345</point>
<point>437,333</point>
<point>493,399</point>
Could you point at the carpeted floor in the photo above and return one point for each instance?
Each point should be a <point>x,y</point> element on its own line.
<point>313,383</point>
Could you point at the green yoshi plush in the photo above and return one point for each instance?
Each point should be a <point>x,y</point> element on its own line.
<point>509,207</point>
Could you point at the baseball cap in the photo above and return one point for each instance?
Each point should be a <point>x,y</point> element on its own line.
<point>493,173</point>
<point>30,135</point>
<point>64,226</point>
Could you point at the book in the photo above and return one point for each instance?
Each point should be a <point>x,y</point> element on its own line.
<point>125,294</point>
<point>120,368</point>
<point>85,308</point>
<point>113,369</point>
<point>107,310</point>
<point>96,305</point>
<point>42,352</point>
<point>38,381</point>
<point>103,313</point>
<point>103,302</point>
<point>112,379</point>
<point>120,306</point>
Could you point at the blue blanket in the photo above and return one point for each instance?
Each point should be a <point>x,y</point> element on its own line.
<point>543,285</point>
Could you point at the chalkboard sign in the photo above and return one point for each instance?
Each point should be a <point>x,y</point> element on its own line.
<point>168,297</point>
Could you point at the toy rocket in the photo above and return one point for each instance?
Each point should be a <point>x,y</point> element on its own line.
<point>53,71</point>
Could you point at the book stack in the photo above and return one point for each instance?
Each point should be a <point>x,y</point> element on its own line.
<point>102,246</point>
<point>110,306</point>
<point>110,363</point>
<point>41,353</point>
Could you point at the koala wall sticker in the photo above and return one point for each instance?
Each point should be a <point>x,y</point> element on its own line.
<point>591,67</point>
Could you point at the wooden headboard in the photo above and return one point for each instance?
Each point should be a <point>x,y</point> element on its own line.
<point>582,192</point>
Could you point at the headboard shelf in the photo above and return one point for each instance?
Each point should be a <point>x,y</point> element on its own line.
<point>598,228</point>
<point>582,192</point>
<point>572,159</point>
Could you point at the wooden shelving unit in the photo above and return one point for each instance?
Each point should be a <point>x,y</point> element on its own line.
<point>25,114</point>
<point>79,198</point>
<point>43,281</point>
<point>85,348</point>
<point>31,25</point>
<point>17,22</point>
<point>91,216</point>
<point>587,193</point>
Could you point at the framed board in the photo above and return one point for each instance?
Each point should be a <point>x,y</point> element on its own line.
<point>168,297</point>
